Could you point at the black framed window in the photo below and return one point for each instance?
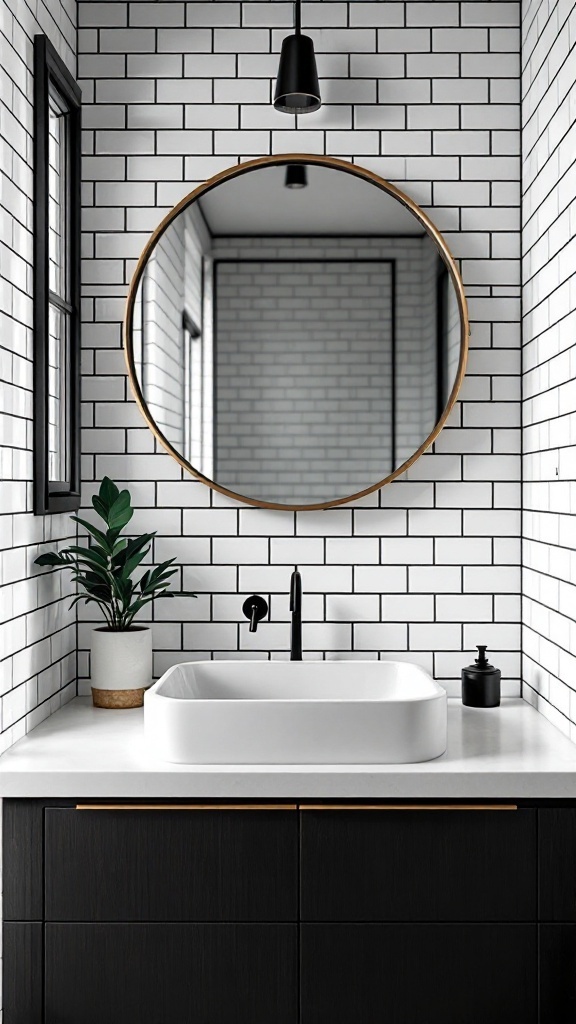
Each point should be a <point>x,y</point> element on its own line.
<point>57,206</point>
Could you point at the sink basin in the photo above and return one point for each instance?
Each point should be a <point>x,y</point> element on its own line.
<point>309,712</point>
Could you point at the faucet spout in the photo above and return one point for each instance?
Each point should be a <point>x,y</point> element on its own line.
<point>296,610</point>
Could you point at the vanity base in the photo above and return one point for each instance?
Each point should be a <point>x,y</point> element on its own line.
<point>300,913</point>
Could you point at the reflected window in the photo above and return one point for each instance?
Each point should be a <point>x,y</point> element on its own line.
<point>193,413</point>
<point>56,282</point>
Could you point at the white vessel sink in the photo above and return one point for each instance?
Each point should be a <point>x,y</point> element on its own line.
<point>309,712</point>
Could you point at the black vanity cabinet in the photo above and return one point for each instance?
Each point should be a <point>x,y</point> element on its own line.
<point>419,916</point>
<point>150,915</point>
<point>289,913</point>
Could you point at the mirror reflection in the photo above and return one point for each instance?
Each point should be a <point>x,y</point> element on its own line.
<point>296,334</point>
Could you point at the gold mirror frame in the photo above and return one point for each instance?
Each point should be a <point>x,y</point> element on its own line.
<point>359,172</point>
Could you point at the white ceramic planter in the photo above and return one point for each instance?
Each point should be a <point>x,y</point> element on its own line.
<point>121,666</point>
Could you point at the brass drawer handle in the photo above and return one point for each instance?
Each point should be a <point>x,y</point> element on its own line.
<point>408,807</point>
<point>186,807</point>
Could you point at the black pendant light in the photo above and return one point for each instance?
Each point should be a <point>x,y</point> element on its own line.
<point>296,176</point>
<point>297,89</point>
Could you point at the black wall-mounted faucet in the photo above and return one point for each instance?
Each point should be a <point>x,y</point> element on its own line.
<point>296,609</point>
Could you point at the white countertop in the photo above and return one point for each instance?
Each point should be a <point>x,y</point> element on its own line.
<point>81,751</point>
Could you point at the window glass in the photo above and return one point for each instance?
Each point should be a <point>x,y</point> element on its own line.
<point>57,190</point>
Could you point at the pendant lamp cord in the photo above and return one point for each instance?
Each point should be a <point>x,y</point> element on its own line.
<point>298,17</point>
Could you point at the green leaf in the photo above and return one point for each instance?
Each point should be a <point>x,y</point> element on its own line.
<point>136,606</point>
<point>120,505</point>
<point>93,582</point>
<point>89,553</point>
<point>85,567</point>
<point>96,590</point>
<point>100,508</point>
<point>162,568</point>
<point>131,547</point>
<point>132,563</point>
<point>108,492</point>
<point>123,589</point>
<point>160,583</point>
<point>112,537</point>
<point>100,537</point>
<point>118,520</point>
<point>52,558</point>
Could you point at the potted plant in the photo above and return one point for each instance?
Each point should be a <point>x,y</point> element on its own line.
<point>121,652</point>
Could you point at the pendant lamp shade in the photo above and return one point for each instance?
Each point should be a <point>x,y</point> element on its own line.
<point>297,89</point>
<point>296,176</point>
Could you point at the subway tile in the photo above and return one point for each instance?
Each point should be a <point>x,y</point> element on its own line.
<point>434,522</point>
<point>491,579</point>
<point>352,550</point>
<point>212,14</point>
<point>210,635</point>
<point>118,40</point>
<point>463,550</point>
<point>435,579</point>
<point>266,522</point>
<point>429,123</point>
<point>97,15</point>
<point>433,14</point>
<point>464,608</point>
<point>333,522</point>
<point>295,550</point>
<point>353,608</point>
<point>232,40</point>
<point>334,636</point>
<point>145,14</point>
<point>236,550</point>
<point>407,608</point>
<point>178,40</point>
<point>390,15</point>
<point>434,636</point>
<point>380,522</point>
<point>380,636</point>
<point>211,522</point>
<point>380,579</point>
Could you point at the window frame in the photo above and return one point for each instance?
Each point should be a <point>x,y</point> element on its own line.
<point>53,496</point>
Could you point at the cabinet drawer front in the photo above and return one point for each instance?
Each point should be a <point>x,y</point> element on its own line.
<point>22,972</point>
<point>177,865</point>
<point>171,973</point>
<point>387,865</point>
<point>419,974</point>
<point>557,863</point>
<point>557,973</point>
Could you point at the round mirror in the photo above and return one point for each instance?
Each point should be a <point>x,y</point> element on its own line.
<point>296,332</point>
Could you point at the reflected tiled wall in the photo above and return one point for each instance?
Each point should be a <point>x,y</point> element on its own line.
<point>549,358</point>
<point>427,94</point>
<point>37,631</point>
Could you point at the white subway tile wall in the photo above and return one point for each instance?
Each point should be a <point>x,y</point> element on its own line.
<point>426,94</point>
<point>37,630</point>
<point>549,358</point>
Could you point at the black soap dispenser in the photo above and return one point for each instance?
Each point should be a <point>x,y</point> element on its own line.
<point>481,682</point>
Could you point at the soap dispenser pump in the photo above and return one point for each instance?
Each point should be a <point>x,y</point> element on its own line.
<point>481,682</point>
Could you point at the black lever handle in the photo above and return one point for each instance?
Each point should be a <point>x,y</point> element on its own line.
<point>255,608</point>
